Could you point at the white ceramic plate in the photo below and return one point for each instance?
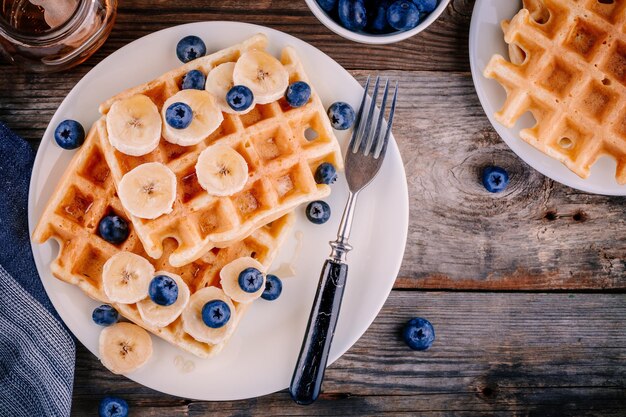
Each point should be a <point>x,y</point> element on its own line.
<point>486,39</point>
<point>260,357</point>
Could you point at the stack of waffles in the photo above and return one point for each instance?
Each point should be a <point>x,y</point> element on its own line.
<point>200,232</point>
<point>567,66</point>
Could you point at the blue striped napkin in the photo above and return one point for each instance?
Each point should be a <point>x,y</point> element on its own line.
<point>37,354</point>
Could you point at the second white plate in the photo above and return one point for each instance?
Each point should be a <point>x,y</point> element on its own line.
<point>485,40</point>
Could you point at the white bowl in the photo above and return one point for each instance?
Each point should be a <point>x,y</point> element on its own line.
<point>373,38</point>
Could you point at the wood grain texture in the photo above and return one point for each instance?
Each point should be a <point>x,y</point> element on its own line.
<point>28,101</point>
<point>494,354</point>
<point>501,354</point>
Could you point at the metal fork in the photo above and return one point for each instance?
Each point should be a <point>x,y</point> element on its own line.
<point>364,158</point>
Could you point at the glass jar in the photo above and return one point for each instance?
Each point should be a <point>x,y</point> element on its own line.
<point>53,35</point>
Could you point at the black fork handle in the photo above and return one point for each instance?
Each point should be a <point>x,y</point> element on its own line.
<point>309,372</point>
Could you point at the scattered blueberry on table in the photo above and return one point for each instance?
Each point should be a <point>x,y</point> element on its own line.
<point>178,115</point>
<point>163,290</point>
<point>298,94</point>
<point>250,280</point>
<point>105,315</point>
<point>318,212</point>
<point>378,16</point>
<point>325,173</point>
<point>69,134</point>
<point>239,98</point>
<point>189,48</point>
<point>113,229</point>
<point>215,314</point>
<point>273,288</point>
<point>194,80</point>
<point>418,333</point>
<point>341,115</point>
<point>113,407</point>
<point>495,179</point>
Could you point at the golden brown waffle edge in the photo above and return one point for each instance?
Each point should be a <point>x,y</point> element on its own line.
<point>568,68</point>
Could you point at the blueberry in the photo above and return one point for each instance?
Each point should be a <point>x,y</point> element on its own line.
<point>273,288</point>
<point>163,290</point>
<point>189,48</point>
<point>239,98</point>
<point>495,179</point>
<point>403,15</point>
<point>250,280</point>
<point>69,134</point>
<point>425,6</point>
<point>325,173</point>
<point>113,229</point>
<point>298,94</point>
<point>215,314</point>
<point>318,212</point>
<point>327,5</point>
<point>113,407</point>
<point>341,115</point>
<point>178,115</point>
<point>105,315</point>
<point>352,14</point>
<point>377,16</point>
<point>194,80</point>
<point>418,333</point>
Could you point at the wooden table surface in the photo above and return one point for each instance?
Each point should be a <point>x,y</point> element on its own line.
<point>526,289</point>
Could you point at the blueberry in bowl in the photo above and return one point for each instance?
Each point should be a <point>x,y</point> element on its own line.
<point>377,21</point>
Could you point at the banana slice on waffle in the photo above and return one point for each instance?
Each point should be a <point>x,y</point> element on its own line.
<point>219,82</point>
<point>221,170</point>
<point>126,277</point>
<point>134,125</point>
<point>158,315</point>
<point>243,279</point>
<point>263,74</point>
<point>194,324</point>
<point>124,347</point>
<point>148,191</point>
<point>206,117</point>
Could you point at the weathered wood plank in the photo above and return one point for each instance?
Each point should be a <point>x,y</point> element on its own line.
<point>496,354</point>
<point>538,235</point>
<point>443,46</point>
<point>28,101</point>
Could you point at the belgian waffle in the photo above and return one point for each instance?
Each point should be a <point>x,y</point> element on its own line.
<point>86,194</point>
<point>568,68</point>
<point>272,138</point>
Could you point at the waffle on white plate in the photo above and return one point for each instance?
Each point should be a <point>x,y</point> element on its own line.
<point>271,138</point>
<point>86,194</point>
<point>567,66</point>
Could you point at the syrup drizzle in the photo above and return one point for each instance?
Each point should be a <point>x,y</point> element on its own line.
<point>288,269</point>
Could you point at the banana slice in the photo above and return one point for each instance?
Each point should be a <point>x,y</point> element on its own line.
<point>263,74</point>
<point>221,170</point>
<point>134,125</point>
<point>126,277</point>
<point>148,191</point>
<point>161,316</point>
<point>192,316</point>
<point>124,347</point>
<point>207,117</point>
<point>229,278</point>
<point>219,82</point>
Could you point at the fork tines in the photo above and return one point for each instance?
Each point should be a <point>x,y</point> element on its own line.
<point>367,134</point>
